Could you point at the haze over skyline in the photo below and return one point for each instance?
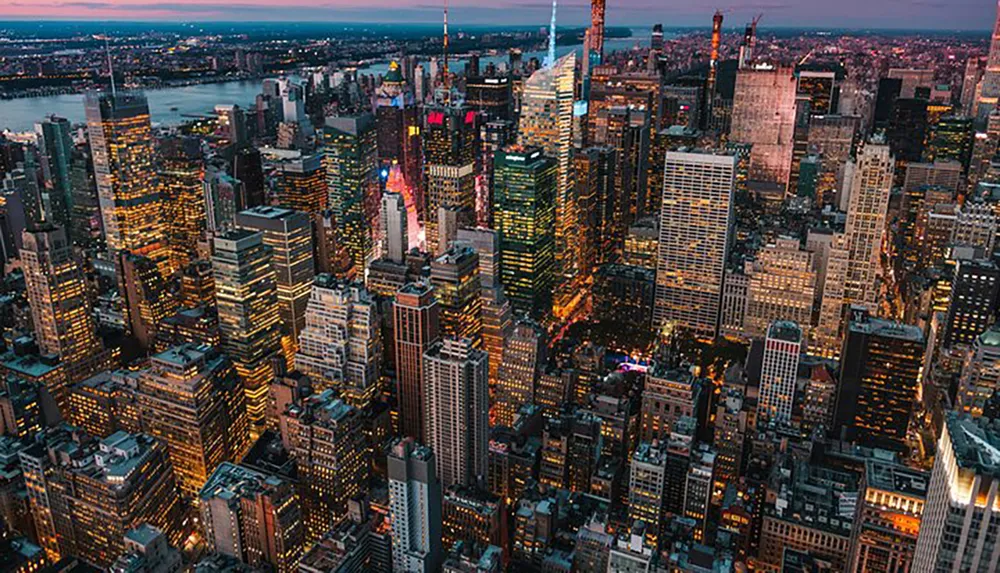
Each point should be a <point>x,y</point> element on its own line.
<point>898,14</point>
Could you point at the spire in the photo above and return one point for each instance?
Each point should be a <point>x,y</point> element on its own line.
<point>551,57</point>
<point>444,75</point>
<point>111,69</point>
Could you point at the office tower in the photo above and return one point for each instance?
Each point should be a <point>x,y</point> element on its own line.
<point>951,138</point>
<point>820,86</point>
<point>60,310</point>
<point>924,185</point>
<point>416,321</point>
<point>989,90</point>
<point>595,35</point>
<point>182,173</point>
<point>341,344</point>
<point>782,287</point>
<point>980,377</point>
<point>414,508</point>
<point>85,212</point>
<point>104,404</point>
<point>249,316</point>
<point>494,136</point>
<point>457,410</point>
<point>525,214</point>
<point>523,358</point>
<point>457,286</point>
<point>224,197</point>
<point>85,495</point>
<point>121,141</point>
<point>190,399</point>
<point>880,380</point>
<point>958,512</point>
<point>595,179</point>
<point>907,129</point>
<point>623,294</point>
<point>148,300</point>
<point>866,221</point>
<point>289,236</point>
<point>670,394</point>
<point>546,122</point>
<point>55,144</point>
<point>351,159</point>
<point>450,137</point>
<point>641,244</point>
<point>779,371</point>
<point>490,95</point>
<point>20,409</point>
<point>646,494</point>
<point>246,166</point>
<point>713,64</point>
<point>889,518</point>
<point>394,230</point>
<point>253,517</point>
<point>323,434</point>
<point>831,137</point>
<point>730,431</point>
<point>698,488</point>
<point>147,549</point>
<point>697,210</point>
<point>233,124</point>
<point>975,289</point>
<point>764,115</point>
<point>398,125</point>
<point>301,185</point>
<point>197,285</point>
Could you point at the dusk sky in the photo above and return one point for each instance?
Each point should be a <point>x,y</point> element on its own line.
<point>923,14</point>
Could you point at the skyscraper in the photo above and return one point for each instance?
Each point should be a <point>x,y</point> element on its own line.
<point>249,317</point>
<point>989,91</point>
<point>252,516</point>
<point>147,298</point>
<point>55,142</point>
<point>450,137</point>
<point>190,399</point>
<point>959,510</point>
<point>779,371</point>
<point>866,223</point>
<point>416,321</point>
<point>182,174</point>
<point>880,380</point>
<point>289,236</point>
<point>301,185</point>
<point>980,377</point>
<point>121,140</point>
<point>341,345</point>
<point>764,115</point>
<point>782,287</point>
<point>525,209</point>
<point>457,390</point>
<point>975,289</point>
<point>414,508</point>
<point>694,237</point>
<point>546,122</point>
<point>646,490</point>
<point>394,227</point>
<point>523,358</point>
<point>352,177</point>
<point>889,520</point>
<point>457,286</point>
<point>323,434</point>
<point>60,310</point>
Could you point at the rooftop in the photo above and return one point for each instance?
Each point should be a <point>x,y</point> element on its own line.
<point>975,442</point>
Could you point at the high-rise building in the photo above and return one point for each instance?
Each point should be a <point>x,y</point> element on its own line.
<point>104,404</point>
<point>397,121</point>
<point>525,213</point>
<point>697,211</point>
<point>341,345</point>
<point>764,115</point>
<point>414,508</point>
<point>121,140</point>
<point>879,380</point>
<point>980,377</point>
<point>182,174</point>
<point>546,122</point>
<point>85,495</point>
<point>975,289</point>
<point>60,309</point>
<point>457,285</point>
<point>249,315</point>
<point>416,321</point>
<point>351,159</point>
<point>253,517</point>
<point>959,511</point>
<point>148,300</point>
<point>779,371</point>
<point>450,145</point>
<point>523,358</point>
<point>866,223</point>
<point>457,410</point>
<point>55,142</point>
<point>647,477</point>
<point>490,95</point>
<point>394,227</point>
<point>889,518</point>
<point>670,394</point>
<point>301,185</point>
<point>989,90</point>
<point>782,287</point>
<point>289,236</point>
<point>190,399</point>
<point>324,436</point>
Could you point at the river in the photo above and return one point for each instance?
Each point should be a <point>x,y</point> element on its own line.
<point>169,106</point>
